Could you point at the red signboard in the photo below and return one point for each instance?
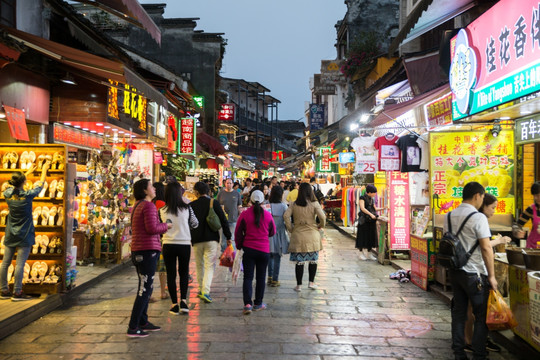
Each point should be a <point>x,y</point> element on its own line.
<point>226,113</point>
<point>398,186</point>
<point>186,144</point>
<point>66,135</point>
<point>17,123</point>
<point>172,133</point>
<point>439,112</point>
<point>158,157</point>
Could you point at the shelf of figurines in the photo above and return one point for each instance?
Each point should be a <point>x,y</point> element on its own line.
<point>40,276</point>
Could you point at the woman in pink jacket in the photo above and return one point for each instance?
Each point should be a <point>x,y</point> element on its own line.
<point>253,228</point>
<point>145,249</point>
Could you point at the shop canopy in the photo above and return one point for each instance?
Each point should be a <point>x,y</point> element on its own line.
<point>213,144</point>
<point>427,15</point>
<point>393,111</point>
<point>97,66</point>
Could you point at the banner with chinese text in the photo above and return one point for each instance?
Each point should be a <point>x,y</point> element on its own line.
<point>439,111</point>
<point>398,188</point>
<point>186,143</point>
<point>461,157</point>
<point>324,159</point>
<point>17,123</point>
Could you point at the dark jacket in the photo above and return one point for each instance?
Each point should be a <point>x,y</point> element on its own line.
<point>20,229</point>
<point>203,233</point>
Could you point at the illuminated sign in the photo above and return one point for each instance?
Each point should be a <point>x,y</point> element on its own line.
<point>277,155</point>
<point>439,112</point>
<point>172,134</point>
<point>346,157</point>
<point>226,113</point>
<point>188,131</point>
<point>70,136</point>
<point>495,59</point>
<point>199,101</point>
<point>133,105</point>
<point>527,131</point>
<point>398,186</point>
<point>324,161</point>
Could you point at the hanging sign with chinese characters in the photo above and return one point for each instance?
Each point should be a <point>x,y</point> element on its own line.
<point>439,111</point>
<point>398,187</point>
<point>458,158</point>
<point>226,113</point>
<point>186,143</point>
<point>527,131</point>
<point>495,59</point>
<point>126,104</point>
<point>17,123</point>
<point>323,164</point>
<point>172,134</point>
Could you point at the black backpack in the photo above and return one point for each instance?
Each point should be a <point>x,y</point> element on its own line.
<point>452,253</point>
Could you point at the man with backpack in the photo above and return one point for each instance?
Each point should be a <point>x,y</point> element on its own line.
<point>473,280</point>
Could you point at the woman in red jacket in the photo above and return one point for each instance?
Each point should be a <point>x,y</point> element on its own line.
<point>145,249</point>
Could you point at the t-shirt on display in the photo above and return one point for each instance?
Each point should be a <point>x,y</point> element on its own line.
<point>410,159</point>
<point>388,152</point>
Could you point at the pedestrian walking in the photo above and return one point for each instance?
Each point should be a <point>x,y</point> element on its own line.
<point>254,227</point>
<point>305,236</point>
<point>205,240</point>
<point>231,201</point>
<point>488,209</point>
<point>145,250</point>
<point>293,192</point>
<point>279,243</point>
<point>473,281</point>
<point>177,244</point>
<point>159,201</point>
<point>20,232</point>
<point>366,234</point>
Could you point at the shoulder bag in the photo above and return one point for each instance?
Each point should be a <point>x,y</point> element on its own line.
<point>212,218</point>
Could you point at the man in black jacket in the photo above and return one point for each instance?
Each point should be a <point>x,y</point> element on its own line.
<point>205,240</point>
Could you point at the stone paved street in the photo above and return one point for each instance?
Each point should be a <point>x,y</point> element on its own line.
<point>357,312</point>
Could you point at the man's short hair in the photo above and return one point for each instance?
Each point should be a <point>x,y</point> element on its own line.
<point>471,189</point>
<point>535,188</point>
<point>312,180</point>
<point>249,179</point>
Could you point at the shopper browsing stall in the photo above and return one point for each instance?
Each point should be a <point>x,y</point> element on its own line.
<point>366,234</point>
<point>531,213</point>
<point>20,232</point>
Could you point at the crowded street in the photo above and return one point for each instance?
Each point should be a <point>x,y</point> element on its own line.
<point>357,312</point>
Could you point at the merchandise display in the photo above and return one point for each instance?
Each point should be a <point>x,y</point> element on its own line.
<point>388,152</point>
<point>410,153</point>
<point>44,270</point>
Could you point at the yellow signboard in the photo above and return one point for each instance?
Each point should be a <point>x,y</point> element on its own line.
<point>461,157</point>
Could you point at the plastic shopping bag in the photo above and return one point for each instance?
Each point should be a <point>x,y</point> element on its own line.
<point>227,258</point>
<point>499,316</point>
<point>237,265</point>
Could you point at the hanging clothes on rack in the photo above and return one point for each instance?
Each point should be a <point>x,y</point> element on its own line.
<point>410,151</point>
<point>388,152</point>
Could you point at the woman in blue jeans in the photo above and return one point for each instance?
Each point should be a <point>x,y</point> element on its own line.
<point>253,228</point>
<point>279,243</point>
<point>20,231</point>
<point>145,250</point>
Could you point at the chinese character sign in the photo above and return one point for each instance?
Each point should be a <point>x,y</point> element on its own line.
<point>316,116</point>
<point>324,159</point>
<point>186,143</point>
<point>398,187</point>
<point>495,59</point>
<point>199,101</point>
<point>172,134</point>
<point>527,131</point>
<point>226,113</point>
<point>439,112</point>
<point>17,123</point>
<point>461,157</point>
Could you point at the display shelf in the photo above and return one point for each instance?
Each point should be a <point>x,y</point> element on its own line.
<point>27,156</point>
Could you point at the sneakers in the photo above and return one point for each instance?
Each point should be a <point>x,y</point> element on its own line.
<point>20,297</point>
<point>136,333</point>
<point>205,297</point>
<point>371,256</point>
<point>298,288</point>
<point>247,309</point>
<point>6,295</point>
<point>363,257</point>
<point>175,309</point>
<point>259,307</point>
<point>491,346</point>
<point>150,327</point>
<point>184,306</point>
<point>313,286</point>
<point>275,283</point>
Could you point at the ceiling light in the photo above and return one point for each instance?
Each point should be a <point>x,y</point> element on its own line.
<point>68,79</point>
<point>354,126</point>
<point>364,118</point>
<point>132,136</point>
<point>143,142</point>
<point>115,130</point>
<point>93,131</point>
<point>505,118</point>
<point>85,129</point>
<point>496,128</point>
<point>107,127</point>
<point>67,123</point>
<point>100,133</point>
<point>99,124</point>
<point>76,126</point>
<point>526,112</point>
<point>120,132</point>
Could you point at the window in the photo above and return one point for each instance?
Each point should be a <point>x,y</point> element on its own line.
<point>7,12</point>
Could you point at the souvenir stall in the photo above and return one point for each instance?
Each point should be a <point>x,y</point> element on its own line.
<point>50,265</point>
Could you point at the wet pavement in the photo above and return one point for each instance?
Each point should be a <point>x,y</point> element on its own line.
<point>357,312</point>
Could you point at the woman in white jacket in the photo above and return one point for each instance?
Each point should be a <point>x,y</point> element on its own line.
<point>177,244</point>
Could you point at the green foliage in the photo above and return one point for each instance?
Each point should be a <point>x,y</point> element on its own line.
<point>177,167</point>
<point>364,48</point>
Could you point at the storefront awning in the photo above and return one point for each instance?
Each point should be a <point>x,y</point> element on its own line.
<point>427,15</point>
<point>393,111</point>
<point>213,144</point>
<point>129,10</point>
<point>94,65</point>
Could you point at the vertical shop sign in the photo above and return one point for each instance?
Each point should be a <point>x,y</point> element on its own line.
<point>398,186</point>
<point>17,123</point>
<point>316,117</point>
<point>172,133</point>
<point>495,59</point>
<point>134,106</point>
<point>187,136</point>
<point>439,112</point>
<point>458,158</point>
<point>226,113</point>
<point>324,159</point>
